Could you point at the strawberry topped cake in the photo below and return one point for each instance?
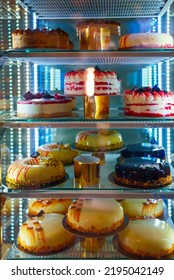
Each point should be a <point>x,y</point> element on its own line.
<point>148,102</point>
<point>106,82</point>
<point>43,105</point>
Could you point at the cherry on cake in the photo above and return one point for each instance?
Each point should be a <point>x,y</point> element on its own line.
<point>105,82</point>
<point>142,208</point>
<point>95,215</point>
<point>98,140</point>
<point>142,172</point>
<point>152,238</point>
<point>44,235</point>
<point>43,105</point>
<point>148,102</point>
<point>146,40</point>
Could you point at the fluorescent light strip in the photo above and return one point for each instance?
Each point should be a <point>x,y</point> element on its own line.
<point>34,21</point>
<point>28,143</point>
<point>168,21</point>
<point>160,137</point>
<point>35,78</point>
<point>169,145</point>
<point>160,75</point>
<point>167,77</point>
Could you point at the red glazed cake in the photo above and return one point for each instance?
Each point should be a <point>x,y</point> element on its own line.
<point>106,82</point>
<point>148,102</point>
<point>43,105</point>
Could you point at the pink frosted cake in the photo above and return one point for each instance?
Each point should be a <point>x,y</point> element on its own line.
<point>146,40</point>
<point>106,82</point>
<point>43,105</point>
<point>148,102</point>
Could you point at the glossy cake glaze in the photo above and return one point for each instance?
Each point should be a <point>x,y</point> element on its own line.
<point>142,172</point>
<point>147,238</point>
<point>142,208</point>
<point>95,215</point>
<point>143,150</point>
<point>148,102</point>
<point>98,140</point>
<point>44,235</point>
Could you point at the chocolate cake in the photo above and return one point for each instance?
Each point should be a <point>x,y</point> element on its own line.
<point>144,150</point>
<point>142,172</point>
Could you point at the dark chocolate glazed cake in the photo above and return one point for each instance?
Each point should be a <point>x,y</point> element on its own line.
<point>142,172</point>
<point>143,150</point>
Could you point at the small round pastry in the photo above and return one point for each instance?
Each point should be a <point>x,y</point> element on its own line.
<point>48,205</point>
<point>98,140</point>
<point>34,173</point>
<point>91,244</point>
<point>147,238</point>
<point>95,215</point>
<point>59,151</point>
<point>44,235</point>
<point>142,172</point>
<point>142,208</point>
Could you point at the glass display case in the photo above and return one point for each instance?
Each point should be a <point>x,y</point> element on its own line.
<point>36,70</point>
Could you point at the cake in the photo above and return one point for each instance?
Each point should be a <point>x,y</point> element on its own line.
<point>98,140</point>
<point>43,105</point>
<point>105,82</point>
<point>44,235</point>
<point>147,238</point>
<point>40,39</point>
<point>144,150</point>
<point>142,172</point>
<point>97,34</point>
<point>95,215</point>
<point>47,206</point>
<point>146,40</point>
<point>34,173</point>
<point>142,208</point>
<point>148,102</point>
<point>60,151</point>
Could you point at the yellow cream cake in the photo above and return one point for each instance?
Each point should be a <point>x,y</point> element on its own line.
<point>60,151</point>
<point>44,235</point>
<point>34,172</point>
<point>95,215</point>
<point>48,205</point>
<point>98,140</point>
<point>142,208</point>
<point>147,238</point>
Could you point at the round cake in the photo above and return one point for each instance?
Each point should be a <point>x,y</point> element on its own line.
<point>47,206</point>
<point>144,150</point>
<point>59,151</point>
<point>43,105</point>
<point>98,140</point>
<point>34,173</point>
<point>142,172</point>
<point>148,102</point>
<point>44,235</point>
<point>147,238</point>
<point>146,40</point>
<point>105,82</point>
<point>40,39</point>
<point>142,208</point>
<point>95,215</point>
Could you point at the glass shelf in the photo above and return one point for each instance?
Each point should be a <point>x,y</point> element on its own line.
<point>106,188</point>
<point>116,120</point>
<point>54,57</point>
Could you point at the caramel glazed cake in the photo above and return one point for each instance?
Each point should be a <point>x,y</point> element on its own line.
<point>95,215</point>
<point>44,235</point>
<point>150,238</point>
<point>98,140</point>
<point>142,172</point>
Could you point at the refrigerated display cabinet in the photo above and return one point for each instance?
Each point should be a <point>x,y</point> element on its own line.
<point>42,69</point>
